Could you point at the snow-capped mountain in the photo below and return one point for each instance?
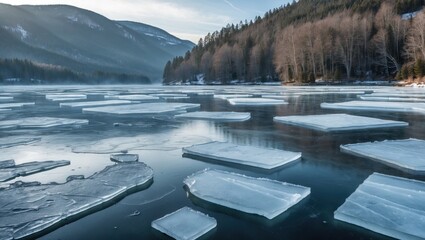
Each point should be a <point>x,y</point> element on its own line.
<point>85,41</point>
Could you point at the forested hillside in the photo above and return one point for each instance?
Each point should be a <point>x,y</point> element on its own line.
<point>309,40</point>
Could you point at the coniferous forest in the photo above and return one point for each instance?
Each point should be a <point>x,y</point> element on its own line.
<point>339,40</point>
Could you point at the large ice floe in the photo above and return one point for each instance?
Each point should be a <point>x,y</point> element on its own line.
<point>255,101</point>
<point>391,99</point>
<point>338,122</point>
<point>65,97</point>
<point>229,96</point>
<point>258,196</point>
<point>41,122</point>
<point>15,105</point>
<point>216,116</point>
<point>12,141</point>
<point>143,109</point>
<point>185,224</point>
<point>29,168</point>
<point>377,106</point>
<point>36,209</point>
<point>139,97</point>
<point>389,205</point>
<point>95,103</point>
<point>407,155</point>
<point>244,155</point>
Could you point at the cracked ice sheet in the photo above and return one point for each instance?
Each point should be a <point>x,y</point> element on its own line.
<point>36,208</point>
<point>338,122</point>
<point>185,224</point>
<point>29,168</point>
<point>259,196</point>
<point>216,116</point>
<point>255,102</point>
<point>143,109</point>
<point>377,106</point>
<point>41,122</point>
<point>244,155</point>
<point>16,105</point>
<point>407,155</point>
<point>12,141</point>
<point>95,103</point>
<point>389,205</point>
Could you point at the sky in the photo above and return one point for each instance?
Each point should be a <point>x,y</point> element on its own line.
<point>186,19</point>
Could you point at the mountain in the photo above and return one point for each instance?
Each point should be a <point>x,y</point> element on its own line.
<point>84,41</point>
<point>311,40</point>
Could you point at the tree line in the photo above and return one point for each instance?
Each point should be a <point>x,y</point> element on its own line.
<point>16,71</point>
<point>309,40</point>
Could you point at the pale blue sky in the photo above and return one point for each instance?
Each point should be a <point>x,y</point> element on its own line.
<point>187,19</point>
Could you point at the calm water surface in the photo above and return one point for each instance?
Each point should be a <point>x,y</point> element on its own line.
<point>331,175</point>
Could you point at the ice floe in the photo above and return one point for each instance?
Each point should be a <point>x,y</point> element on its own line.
<point>12,141</point>
<point>143,109</point>
<point>216,116</point>
<point>407,155</point>
<point>29,168</point>
<point>65,97</point>
<point>391,99</point>
<point>124,157</point>
<point>171,95</point>
<point>16,105</point>
<point>377,106</point>
<point>94,103</point>
<point>138,97</point>
<point>338,122</point>
<point>7,163</point>
<point>244,155</point>
<point>6,99</point>
<point>258,196</point>
<point>41,122</point>
<point>185,224</point>
<point>37,208</point>
<point>229,96</point>
<point>389,205</point>
<point>255,101</point>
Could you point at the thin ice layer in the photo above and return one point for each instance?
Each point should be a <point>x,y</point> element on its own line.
<point>255,102</point>
<point>25,211</point>
<point>244,155</point>
<point>259,196</point>
<point>216,116</point>
<point>139,97</point>
<point>41,122</point>
<point>229,96</point>
<point>389,205</point>
<point>29,168</point>
<point>16,105</point>
<point>391,99</point>
<point>7,163</point>
<point>12,141</point>
<point>407,155</point>
<point>94,103</point>
<point>143,109</point>
<point>338,122</point>
<point>185,224</point>
<point>377,106</point>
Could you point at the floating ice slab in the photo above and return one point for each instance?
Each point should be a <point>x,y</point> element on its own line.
<point>255,102</point>
<point>377,106</point>
<point>7,164</point>
<point>407,155</point>
<point>185,224</point>
<point>216,116</point>
<point>41,122</point>
<point>12,141</point>
<point>244,155</point>
<point>229,96</point>
<point>391,99</point>
<point>16,105</point>
<point>401,95</point>
<point>65,97</point>
<point>338,122</point>
<point>94,103</point>
<point>29,168</point>
<point>389,205</point>
<point>26,211</point>
<point>6,99</point>
<point>133,97</point>
<point>259,196</point>
<point>124,157</point>
<point>170,95</point>
<point>143,108</point>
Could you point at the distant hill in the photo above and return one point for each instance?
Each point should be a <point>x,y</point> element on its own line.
<point>309,40</point>
<point>84,41</point>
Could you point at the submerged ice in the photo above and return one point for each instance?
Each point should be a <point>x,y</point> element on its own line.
<point>407,155</point>
<point>185,224</point>
<point>258,196</point>
<point>338,122</point>
<point>33,209</point>
<point>244,155</point>
<point>389,205</point>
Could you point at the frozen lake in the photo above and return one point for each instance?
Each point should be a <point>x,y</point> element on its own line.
<point>158,138</point>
